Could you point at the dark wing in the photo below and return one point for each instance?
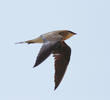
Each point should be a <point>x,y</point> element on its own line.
<point>62,57</point>
<point>45,51</point>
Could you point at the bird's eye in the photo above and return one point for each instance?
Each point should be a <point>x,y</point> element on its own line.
<point>61,33</point>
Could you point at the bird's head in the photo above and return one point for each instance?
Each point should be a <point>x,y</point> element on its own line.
<point>67,34</point>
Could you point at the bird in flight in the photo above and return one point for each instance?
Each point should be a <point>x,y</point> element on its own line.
<point>53,43</point>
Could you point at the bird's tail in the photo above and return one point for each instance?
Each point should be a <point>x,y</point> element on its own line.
<point>36,40</point>
<point>20,42</point>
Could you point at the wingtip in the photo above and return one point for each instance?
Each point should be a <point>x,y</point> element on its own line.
<point>55,88</point>
<point>34,66</point>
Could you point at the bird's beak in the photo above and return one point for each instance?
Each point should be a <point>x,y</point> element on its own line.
<point>75,33</point>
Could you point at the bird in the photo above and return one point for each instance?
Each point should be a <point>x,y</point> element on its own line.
<point>54,43</point>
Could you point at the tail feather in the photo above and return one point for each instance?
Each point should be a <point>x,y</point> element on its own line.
<point>20,42</point>
<point>36,40</point>
<point>28,42</point>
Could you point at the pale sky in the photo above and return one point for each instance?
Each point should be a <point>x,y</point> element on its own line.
<point>88,73</point>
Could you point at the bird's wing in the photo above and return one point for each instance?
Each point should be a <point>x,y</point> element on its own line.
<point>45,51</point>
<point>62,57</point>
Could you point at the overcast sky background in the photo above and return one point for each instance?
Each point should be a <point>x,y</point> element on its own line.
<point>88,73</point>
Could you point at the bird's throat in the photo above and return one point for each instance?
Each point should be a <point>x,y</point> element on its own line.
<point>68,36</point>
